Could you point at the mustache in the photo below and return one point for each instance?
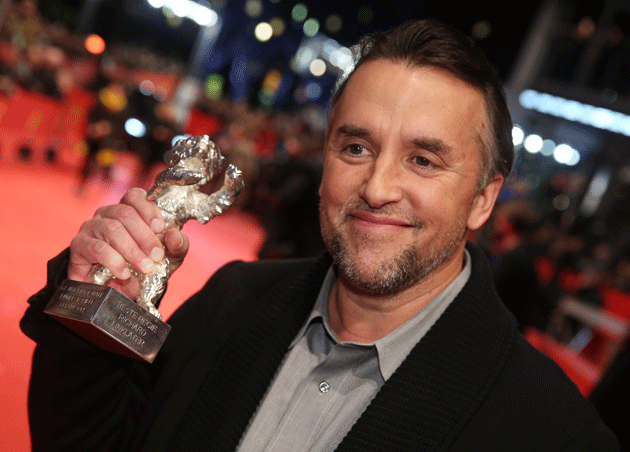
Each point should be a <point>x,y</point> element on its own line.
<point>359,205</point>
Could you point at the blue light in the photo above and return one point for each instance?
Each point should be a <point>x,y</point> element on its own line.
<point>601,118</point>
<point>313,91</point>
<point>135,128</point>
<point>177,138</point>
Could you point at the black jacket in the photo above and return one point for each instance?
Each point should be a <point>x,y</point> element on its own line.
<point>472,383</point>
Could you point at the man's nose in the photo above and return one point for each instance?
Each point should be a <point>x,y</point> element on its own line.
<point>382,184</point>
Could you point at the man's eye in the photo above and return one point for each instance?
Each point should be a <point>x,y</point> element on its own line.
<point>356,149</point>
<point>422,161</point>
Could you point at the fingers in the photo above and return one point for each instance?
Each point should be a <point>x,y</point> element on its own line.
<point>86,251</point>
<point>125,232</point>
<point>148,211</point>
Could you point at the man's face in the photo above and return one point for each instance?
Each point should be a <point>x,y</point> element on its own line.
<point>401,166</point>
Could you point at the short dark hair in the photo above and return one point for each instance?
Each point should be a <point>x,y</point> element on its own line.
<point>434,44</point>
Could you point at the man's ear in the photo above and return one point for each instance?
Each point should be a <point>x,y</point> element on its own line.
<point>483,203</point>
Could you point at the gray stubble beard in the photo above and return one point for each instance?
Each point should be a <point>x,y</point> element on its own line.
<point>410,266</point>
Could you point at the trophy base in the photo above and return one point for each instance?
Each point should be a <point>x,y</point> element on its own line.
<point>108,319</point>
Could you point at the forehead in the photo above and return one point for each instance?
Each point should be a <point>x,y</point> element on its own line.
<point>394,96</point>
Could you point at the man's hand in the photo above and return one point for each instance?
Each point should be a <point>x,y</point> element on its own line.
<point>131,231</point>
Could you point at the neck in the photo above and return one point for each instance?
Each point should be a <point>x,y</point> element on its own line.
<point>365,318</point>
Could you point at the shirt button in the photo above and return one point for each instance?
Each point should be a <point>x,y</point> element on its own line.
<point>324,387</point>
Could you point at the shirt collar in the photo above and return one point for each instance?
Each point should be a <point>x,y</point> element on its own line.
<point>319,312</point>
<point>393,348</point>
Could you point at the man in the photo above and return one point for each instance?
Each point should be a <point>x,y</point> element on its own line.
<point>400,344</point>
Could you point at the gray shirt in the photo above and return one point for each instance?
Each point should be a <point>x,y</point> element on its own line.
<point>324,384</point>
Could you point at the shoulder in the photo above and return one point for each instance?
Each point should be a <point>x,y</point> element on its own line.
<point>238,287</point>
<point>259,276</point>
<point>530,404</point>
<point>534,405</point>
<point>238,280</point>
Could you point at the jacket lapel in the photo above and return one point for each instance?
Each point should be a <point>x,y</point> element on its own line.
<point>246,364</point>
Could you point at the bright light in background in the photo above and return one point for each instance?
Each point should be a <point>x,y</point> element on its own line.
<point>318,67</point>
<point>95,44</point>
<point>575,158</point>
<point>214,86</point>
<point>595,192</point>
<point>313,91</point>
<point>533,143</point>
<point>181,8</point>
<point>299,12</point>
<point>172,19</point>
<point>517,135</point>
<point>337,58</point>
<point>146,87</point>
<point>177,138</point>
<point>311,27</point>
<point>338,55</point>
<point>135,128</point>
<point>342,58</point>
<point>601,118</point>
<point>263,32</point>
<point>302,59</point>
<point>547,148</point>
<point>563,153</point>
<point>201,14</point>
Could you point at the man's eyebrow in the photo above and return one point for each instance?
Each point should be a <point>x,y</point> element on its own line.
<point>434,145</point>
<point>350,130</point>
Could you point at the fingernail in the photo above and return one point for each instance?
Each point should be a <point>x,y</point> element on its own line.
<point>126,274</point>
<point>157,254</point>
<point>157,225</point>
<point>146,265</point>
<point>181,240</point>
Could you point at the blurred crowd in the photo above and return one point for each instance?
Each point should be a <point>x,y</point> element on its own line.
<point>535,258</point>
<point>278,152</point>
<point>47,57</point>
<point>538,262</point>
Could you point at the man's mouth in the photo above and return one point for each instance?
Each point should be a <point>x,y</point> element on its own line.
<point>376,220</point>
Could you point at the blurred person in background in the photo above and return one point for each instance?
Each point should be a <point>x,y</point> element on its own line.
<point>521,240</point>
<point>285,196</point>
<point>24,25</point>
<point>105,134</point>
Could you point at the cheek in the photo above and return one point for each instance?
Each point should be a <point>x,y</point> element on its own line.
<point>435,203</point>
<point>338,186</point>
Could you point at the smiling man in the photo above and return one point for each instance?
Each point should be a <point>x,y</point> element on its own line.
<point>393,340</point>
<point>400,190</point>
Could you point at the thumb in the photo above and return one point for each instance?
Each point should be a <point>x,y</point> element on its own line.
<point>177,244</point>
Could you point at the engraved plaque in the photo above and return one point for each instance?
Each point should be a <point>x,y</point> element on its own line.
<point>108,319</point>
